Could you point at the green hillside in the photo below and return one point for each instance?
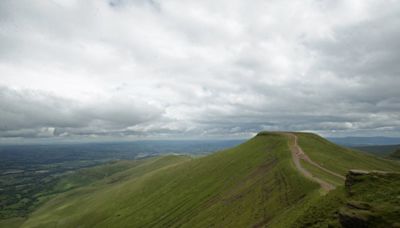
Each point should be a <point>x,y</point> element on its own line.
<point>380,150</point>
<point>369,199</point>
<point>255,184</point>
<point>396,154</point>
<point>340,159</point>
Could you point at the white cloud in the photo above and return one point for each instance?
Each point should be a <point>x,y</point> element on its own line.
<point>198,67</point>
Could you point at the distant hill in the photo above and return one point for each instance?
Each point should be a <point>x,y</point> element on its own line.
<point>274,180</point>
<point>382,150</point>
<point>364,141</point>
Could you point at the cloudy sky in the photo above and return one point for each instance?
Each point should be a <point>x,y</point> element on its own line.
<point>212,68</point>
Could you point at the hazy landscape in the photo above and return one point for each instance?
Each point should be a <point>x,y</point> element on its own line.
<point>29,173</point>
<point>212,113</point>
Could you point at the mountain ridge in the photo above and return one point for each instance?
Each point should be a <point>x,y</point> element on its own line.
<point>254,184</point>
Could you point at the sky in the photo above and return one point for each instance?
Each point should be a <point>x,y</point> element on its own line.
<point>143,69</point>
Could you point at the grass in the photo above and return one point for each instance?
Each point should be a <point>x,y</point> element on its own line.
<point>322,211</point>
<point>12,222</point>
<point>244,186</point>
<point>379,150</point>
<point>252,185</point>
<point>86,176</point>
<point>395,154</point>
<point>381,192</point>
<point>373,198</point>
<point>340,159</point>
<point>317,172</point>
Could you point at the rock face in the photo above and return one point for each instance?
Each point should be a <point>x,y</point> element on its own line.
<point>354,214</point>
<point>354,176</point>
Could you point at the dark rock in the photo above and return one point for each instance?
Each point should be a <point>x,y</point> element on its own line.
<point>371,212</point>
<point>352,177</point>
<point>355,218</point>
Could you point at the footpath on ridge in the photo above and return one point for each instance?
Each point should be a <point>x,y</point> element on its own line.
<point>298,153</point>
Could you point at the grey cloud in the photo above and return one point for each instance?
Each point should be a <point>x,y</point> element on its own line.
<point>124,3</point>
<point>173,68</point>
<point>32,113</point>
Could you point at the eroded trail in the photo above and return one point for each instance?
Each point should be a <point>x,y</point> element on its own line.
<point>298,153</point>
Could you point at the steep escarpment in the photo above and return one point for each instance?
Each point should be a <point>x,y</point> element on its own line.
<point>255,184</point>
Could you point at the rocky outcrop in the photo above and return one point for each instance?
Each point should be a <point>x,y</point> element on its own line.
<point>355,176</point>
<point>356,214</point>
<point>361,213</point>
<point>352,177</point>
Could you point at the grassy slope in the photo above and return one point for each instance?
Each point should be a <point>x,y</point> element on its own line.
<point>114,172</point>
<point>379,150</point>
<point>316,210</point>
<point>380,192</point>
<point>321,211</point>
<point>254,184</point>
<point>91,182</point>
<point>79,178</point>
<point>340,159</point>
<point>12,222</point>
<point>396,154</point>
<point>89,175</point>
<point>373,197</point>
<point>244,186</point>
<point>317,172</point>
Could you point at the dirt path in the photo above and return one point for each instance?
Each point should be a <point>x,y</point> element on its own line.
<point>307,159</point>
<point>298,153</point>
